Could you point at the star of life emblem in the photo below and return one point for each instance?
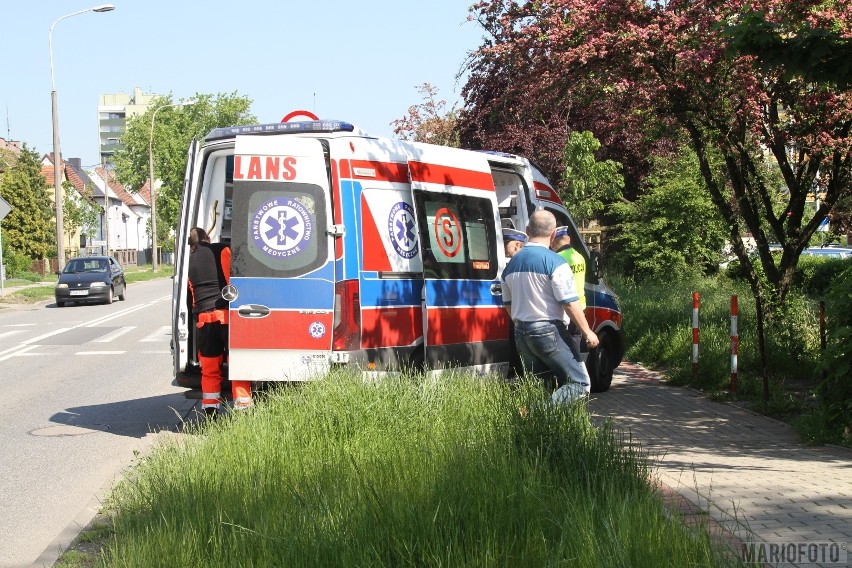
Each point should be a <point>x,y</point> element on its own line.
<point>281,227</point>
<point>401,230</point>
<point>316,329</point>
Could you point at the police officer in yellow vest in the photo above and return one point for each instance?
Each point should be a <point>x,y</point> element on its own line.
<point>561,245</point>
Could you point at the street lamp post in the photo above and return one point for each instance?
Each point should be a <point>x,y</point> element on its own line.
<point>151,181</point>
<point>57,156</point>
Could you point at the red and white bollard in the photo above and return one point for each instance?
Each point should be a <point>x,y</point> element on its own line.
<point>735,342</point>
<point>695,304</point>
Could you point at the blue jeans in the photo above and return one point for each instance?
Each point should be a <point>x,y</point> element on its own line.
<point>546,354</point>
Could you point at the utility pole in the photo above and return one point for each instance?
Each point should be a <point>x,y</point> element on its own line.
<point>106,207</point>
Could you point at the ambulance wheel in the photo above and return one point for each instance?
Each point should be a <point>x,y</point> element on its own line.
<point>600,364</point>
<point>417,361</point>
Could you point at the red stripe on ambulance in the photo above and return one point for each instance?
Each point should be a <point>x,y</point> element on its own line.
<point>543,191</point>
<point>597,316</point>
<point>281,329</point>
<point>446,175</point>
<point>379,171</point>
<point>479,324</point>
<point>338,207</point>
<point>390,326</point>
<point>375,255</point>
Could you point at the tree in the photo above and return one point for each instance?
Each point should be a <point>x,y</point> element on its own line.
<point>174,129</point>
<point>673,63</point>
<point>588,182</point>
<point>508,108</point>
<point>80,211</point>
<point>427,121</point>
<point>673,229</point>
<point>29,225</point>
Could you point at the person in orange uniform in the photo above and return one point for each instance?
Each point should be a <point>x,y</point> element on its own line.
<point>209,272</point>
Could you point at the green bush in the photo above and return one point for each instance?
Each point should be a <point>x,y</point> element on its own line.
<point>658,330</point>
<point>835,389</point>
<point>814,275</point>
<point>17,263</point>
<point>31,276</point>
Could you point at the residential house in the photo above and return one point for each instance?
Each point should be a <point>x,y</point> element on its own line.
<point>126,230</point>
<point>73,244</point>
<point>9,152</point>
<point>123,227</point>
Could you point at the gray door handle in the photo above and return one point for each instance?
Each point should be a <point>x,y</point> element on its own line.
<point>253,311</point>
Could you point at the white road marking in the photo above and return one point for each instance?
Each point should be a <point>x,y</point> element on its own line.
<point>100,353</point>
<point>10,333</point>
<point>160,335</point>
<point>20,352</point>
<point>117,333</point>
<point>34,339</point>
<point>23,346</point>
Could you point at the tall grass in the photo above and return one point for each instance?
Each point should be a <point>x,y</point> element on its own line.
<point>457,472</point>
<point>658,332</point>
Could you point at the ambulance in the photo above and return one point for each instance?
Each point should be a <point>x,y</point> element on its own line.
<point>350,249</point>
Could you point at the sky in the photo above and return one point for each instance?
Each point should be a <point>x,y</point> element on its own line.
<point>358,61</point>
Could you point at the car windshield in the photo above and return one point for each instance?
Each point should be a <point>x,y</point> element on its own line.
<point>79,265</point>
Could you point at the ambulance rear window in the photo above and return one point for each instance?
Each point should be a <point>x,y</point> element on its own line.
<point>277,229</point>
<point>454,233</point>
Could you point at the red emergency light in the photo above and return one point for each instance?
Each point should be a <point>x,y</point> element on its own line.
<point>299,115</point>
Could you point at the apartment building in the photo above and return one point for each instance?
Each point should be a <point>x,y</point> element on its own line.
<point>113,112</point>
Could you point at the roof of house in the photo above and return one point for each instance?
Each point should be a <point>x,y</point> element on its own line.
<point>140,197</point>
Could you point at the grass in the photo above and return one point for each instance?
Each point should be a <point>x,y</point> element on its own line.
<point>457,472</point>
<point>658,333</point>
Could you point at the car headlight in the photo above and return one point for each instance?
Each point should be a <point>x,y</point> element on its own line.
<point>61,286</point>
<point>97,284</point>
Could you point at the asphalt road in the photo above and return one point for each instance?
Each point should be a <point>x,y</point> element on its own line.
<point>85,389</point>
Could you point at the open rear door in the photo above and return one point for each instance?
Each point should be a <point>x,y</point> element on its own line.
<point>465,324</point>
<point>281,260</point>
<point>181,316</point>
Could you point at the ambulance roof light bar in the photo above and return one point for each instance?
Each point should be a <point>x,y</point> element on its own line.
<point>281,128</point>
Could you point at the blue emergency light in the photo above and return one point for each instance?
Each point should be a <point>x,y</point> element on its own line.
<point>280,128</point>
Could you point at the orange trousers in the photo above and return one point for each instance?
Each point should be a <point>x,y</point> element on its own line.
<point>211,385</point>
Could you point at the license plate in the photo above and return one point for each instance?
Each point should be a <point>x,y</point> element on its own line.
<point>79,292</point>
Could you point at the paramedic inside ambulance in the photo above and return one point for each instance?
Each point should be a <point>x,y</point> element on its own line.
<point>513,241</point>
<point>209,271</point>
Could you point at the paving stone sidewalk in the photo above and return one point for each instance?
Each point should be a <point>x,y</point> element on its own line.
<point>747,471</point>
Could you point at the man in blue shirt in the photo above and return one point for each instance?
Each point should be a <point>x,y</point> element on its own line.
<point>538,291</point>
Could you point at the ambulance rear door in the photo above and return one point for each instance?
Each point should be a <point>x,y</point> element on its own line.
<point>282,269</point>
<point>465,324</point>
<point>181,317</point>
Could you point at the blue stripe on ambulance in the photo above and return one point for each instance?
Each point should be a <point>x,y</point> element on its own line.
<point>461,293</point>
<point>312,291</point>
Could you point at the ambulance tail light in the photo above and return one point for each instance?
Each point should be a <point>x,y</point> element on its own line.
<point>347,316</point>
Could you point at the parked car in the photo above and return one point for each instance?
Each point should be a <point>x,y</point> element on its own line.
<point>91,279</point>
<point>828,252</point>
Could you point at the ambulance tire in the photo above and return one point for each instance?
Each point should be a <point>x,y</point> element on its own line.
<point>600,364</point>
<point>417,361</point>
